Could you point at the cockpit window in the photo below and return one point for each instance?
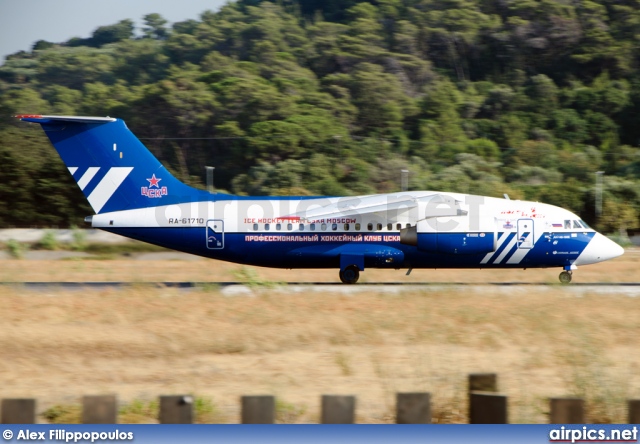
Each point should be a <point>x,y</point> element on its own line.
<point>567,224</point>
<point>576,224</point>
<point>584,224</point>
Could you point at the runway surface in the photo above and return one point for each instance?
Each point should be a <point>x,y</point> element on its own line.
<point>631,289</point>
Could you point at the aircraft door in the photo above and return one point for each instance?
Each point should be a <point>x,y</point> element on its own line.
<point>215,234</point>
<point>525,233</point>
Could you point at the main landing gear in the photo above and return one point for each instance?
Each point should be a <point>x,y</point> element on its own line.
<point>565,276</point>
<point>350,274</point>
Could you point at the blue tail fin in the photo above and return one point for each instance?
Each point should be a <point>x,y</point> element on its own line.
<point>114,170</point>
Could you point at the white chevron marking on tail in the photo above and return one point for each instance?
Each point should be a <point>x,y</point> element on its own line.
<point>87,176</point>
<point>107,186</point>
<point>73,170</point>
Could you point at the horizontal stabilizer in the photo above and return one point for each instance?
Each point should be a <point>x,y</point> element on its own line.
<point>76,119</point>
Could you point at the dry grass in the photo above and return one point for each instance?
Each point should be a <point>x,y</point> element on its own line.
<point>142,342</point>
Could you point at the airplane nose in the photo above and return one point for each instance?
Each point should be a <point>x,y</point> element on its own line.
<point>599,249</point>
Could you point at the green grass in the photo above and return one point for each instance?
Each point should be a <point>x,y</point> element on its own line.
<point>139,412</point>
<point>63,414</point>
<point>288,413</point>
<point>47,242</point>
<point>123,248</point>
<point>249,276</point>
<point>15,249</point>
<point>621,239</point>
<point>79,239</point>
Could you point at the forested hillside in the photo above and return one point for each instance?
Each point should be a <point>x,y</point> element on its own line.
<point>525,97</point>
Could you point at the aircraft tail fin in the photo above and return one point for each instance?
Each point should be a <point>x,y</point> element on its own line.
<point>114,170</point>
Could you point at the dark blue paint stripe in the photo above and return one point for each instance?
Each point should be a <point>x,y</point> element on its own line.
<point>502,247</point>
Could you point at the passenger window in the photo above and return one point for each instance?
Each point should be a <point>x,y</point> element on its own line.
<point>398,226</point>
<point>346,227</point>
<point>567,224</point>
<point>323,227</point>
<point>289,227</point>
<point>576,224</point>
<point>389,227</point>
<point>357,227</point>
<point>266,227</point>
<point>255,227</point>
<point>278,227</point>
<point>408,225</point>
<point>301,227</point>
<point>370,226</point>
<point>334,227</point>
<point>379,227</point>
<point>312,227</point>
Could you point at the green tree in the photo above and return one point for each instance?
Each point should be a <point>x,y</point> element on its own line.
<point>73,67</point>
<point>568,125</point>
<point>113,33</point>
<point>16,204</point>
<point>528,97</point>
<point>41,45</point>
<point>276,140</point>
<point>154,27</point>
<point>377,95</point>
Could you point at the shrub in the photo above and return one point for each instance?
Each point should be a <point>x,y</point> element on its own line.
<point>48,241</point>
<point>15,249</point>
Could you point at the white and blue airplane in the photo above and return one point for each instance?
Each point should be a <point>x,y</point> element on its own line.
<point>133,195</point>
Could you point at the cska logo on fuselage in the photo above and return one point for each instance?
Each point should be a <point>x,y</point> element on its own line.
<point>154,190</point>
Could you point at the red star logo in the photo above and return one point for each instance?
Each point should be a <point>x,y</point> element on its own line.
<point>153,182</point>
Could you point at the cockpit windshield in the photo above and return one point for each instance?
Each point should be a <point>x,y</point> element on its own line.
<point>573,225</point>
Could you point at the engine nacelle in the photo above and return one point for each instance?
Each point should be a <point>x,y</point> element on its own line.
<point>449,243</point>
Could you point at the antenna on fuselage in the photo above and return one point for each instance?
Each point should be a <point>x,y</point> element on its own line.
<point>209,170</point>
<point>506,196</point>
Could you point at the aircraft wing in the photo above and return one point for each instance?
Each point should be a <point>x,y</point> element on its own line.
<point>437,205</point>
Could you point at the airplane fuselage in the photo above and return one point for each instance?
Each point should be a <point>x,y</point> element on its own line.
<point>459,231</point>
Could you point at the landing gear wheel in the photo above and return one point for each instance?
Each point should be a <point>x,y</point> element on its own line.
<point>565,277</point>
<point>350,275</point>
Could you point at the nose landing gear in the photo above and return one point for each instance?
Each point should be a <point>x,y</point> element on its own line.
<point>565,277</point>
<point>350,274</point>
